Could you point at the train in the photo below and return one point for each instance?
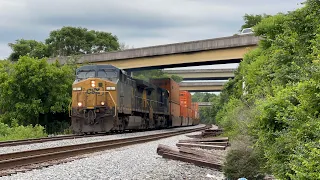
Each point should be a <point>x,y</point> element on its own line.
<point>107,99</point>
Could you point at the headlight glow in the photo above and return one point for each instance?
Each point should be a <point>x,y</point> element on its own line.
<point>79,104</point>
<point>111,88</point>
<point>102,103</point>
<point>93,83</point>
<point>77,88</point>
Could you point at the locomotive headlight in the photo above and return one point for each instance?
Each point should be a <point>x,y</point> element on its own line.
<point>102,103</point>
<point>93,83</point>
<point>111,88</point>
<point>77,88</point>
<point>79,104</point>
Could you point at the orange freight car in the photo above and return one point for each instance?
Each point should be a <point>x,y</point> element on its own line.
<point>174,98</point>
<point>185,104</point>
<point>195,113</point>
<point>190,116</point>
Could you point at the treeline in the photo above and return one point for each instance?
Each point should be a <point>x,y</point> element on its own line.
<point>207,114</point>
<point>34,92</point>
<point>35,95</point>
<point>271,108</point>
<point>66,41</point>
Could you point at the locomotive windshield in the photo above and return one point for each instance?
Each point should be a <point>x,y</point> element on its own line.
<point>107,73</point>
<point>97,71</point>
<point>86,74</point>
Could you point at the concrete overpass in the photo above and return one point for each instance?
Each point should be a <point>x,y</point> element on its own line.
<point>201,86</point>
<point>203,74</point>
<point>203,52</point>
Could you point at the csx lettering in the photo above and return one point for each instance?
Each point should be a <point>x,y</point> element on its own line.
<point>93,91</point>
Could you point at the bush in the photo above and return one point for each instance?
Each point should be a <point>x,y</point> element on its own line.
<point>288,131</point>
<point>58,127</point>
<point>235,117</point>
<point>33,91</point>
<point>306,161</point>
<point>242,160</point>
<point>21,132</point>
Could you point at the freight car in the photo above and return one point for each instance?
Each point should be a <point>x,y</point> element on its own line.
<point>105,98</point>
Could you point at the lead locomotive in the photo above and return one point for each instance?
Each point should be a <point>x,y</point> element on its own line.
<point>105,98</point>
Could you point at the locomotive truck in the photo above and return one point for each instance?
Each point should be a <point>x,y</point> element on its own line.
<point>105,98</point>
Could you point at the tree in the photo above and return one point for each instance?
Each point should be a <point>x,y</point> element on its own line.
<point>252,20</point>
<point>66,41</point>
<point>76,40</point>
<point>24,47</point>
<point>32,90</point>
<point>280,111</point>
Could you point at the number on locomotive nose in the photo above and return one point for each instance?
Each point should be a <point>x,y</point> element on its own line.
<point>93,91</point>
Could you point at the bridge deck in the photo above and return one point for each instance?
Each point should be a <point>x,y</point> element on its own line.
<point>176,48</point>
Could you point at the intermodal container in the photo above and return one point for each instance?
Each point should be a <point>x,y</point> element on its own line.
<point>185,98</point>
<point>185,103</point>
<point>193,108</point>
<point>170,85</point>
<point>183,111</point>
<point>175,114</point>
<point>189,113</point>
<point>174,109</point>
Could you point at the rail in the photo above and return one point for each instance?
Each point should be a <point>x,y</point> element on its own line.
<point>18,159</point>
<point>40,140</point>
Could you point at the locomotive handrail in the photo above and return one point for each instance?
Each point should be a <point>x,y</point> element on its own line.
<point>149,100</point>
<point>115,105</point>
<point>70,109</point>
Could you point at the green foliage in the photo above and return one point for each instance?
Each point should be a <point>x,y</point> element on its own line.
<point>274,97</point>
<point>207,114</point>
<point>176,78</point>
<point>28,47</point>
<point>76,40</point>
<point>306,161</point>
<point>149,74</point>
<point>235,117</point>
<point>287,127</point>
<point>203,97</point>
<point>66,41</point>
<point>252,20</point>
<point>31,90</point>
<point>35,92</point>
<point>20,132</point>
<point>242,160</point>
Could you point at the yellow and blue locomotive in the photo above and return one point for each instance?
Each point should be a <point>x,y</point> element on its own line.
<point>105,98</point>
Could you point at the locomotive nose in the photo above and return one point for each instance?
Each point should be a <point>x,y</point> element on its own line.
<point>94,93</point>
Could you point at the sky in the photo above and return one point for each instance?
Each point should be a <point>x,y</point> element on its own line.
<point>137,23</point>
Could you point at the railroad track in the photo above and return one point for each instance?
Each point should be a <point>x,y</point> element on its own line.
<point>47,139</point>
<point>40,140</point>
<point>18,159</point>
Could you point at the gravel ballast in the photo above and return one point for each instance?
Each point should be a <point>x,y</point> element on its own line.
<point>139,161</point>
<point>50,144</point>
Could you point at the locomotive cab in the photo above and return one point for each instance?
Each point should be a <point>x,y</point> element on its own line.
<point>94,98</point>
